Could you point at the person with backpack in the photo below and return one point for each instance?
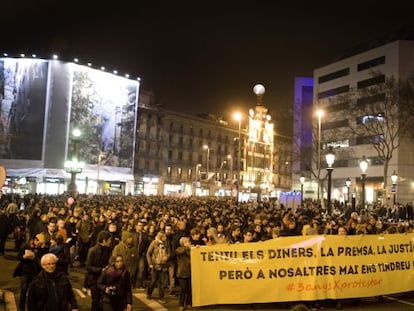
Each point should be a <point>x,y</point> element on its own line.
<point>157,258</point>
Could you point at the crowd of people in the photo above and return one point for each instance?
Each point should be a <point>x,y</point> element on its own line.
<point>140,242</point>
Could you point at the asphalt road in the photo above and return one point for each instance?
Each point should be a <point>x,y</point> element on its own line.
<point>401,302</point>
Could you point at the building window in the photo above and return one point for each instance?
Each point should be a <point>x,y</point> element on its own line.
<point>180,172</point>
<point>180,155</point>
<point>190,142</point>
<point>369,139</point>
<point>169,171</point>
<point>371,63</point>
<point>334,75</point>
<point>180,140</point>
<point>190,173</point>
<point>170,139</point>
<point>170,155</point>
<point>337,107</point>
<point>364,101</point>
<point>372,81</point>
<point>333,92</point>
<point>335,124</point>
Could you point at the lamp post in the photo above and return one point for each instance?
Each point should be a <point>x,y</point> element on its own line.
<point>330,159</point>
<point>348,185</point>
<point>319,114</point>
<point>74,166</point>
<point>98,186</point>
<point>238,117</point>
<point>302,181</point>
<point>208,158</point>
<point>394,179</point>
<point>231,165</point>
<point>363,165</point>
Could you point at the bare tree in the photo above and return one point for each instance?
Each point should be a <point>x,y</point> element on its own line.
<point>382,115</point>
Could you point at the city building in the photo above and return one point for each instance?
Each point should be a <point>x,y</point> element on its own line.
<point>339,90</point>
<point>179,154</point>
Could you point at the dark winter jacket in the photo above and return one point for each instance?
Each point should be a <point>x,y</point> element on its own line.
<point>120,282</point>
<point>51,292</point>
<point>98,258</point>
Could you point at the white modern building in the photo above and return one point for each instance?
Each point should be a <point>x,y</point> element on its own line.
<point>333,86</point>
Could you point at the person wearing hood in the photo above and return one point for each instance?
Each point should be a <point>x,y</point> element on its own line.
<point>50,290</point>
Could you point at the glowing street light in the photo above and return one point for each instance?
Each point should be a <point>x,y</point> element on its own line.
<point>74,166</point>
<point>208,159</point>
<point>302,181</point>
<point>238,117</point>
<point>348,185</point>
<point>363,165</point>
<point>394,179</point>
<point>319,113</point>
<point>330,159</point>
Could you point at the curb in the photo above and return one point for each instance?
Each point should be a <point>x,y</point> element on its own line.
<point>7,301</point>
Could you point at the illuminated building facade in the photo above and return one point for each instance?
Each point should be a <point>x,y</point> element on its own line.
<point>332,84</point>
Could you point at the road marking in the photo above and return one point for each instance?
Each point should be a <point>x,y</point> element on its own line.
<point>153,304</point>
<point>79,292</point>
<point>399,300</point>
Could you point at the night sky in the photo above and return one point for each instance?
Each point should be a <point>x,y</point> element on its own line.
<point>204,56</point>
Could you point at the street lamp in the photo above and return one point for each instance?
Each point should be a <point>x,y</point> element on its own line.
<point>208,158</point>
<point>363,165</point>
<point>319,114</point>
<point>98,188</point>
<point>348,185</point>
<point>238,117</point>
<point>74,166</point>
<point>330,159</point>
<point>394,179</point>
<point>302,181</point>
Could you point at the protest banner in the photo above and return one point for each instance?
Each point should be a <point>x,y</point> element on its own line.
<point>303,268</point>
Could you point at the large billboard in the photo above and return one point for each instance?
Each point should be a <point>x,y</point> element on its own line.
<point>42,101</point>
<point>23,87</point>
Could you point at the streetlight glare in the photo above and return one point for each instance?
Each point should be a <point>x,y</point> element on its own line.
<point>394,177</point>
<point>363,164</point>
<point>76,133</point>
<point>237,116</point>
<point>320,113</point>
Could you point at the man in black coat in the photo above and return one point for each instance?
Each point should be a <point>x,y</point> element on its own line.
<point>97,260</point>
<point>50,290</point>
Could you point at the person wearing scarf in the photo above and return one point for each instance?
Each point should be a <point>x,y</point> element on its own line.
<point>115,285</point>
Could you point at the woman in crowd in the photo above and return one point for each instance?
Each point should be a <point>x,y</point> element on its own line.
<point>115,285</point>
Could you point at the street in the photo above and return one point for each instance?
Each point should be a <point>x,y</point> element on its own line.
<point>399,302</point>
